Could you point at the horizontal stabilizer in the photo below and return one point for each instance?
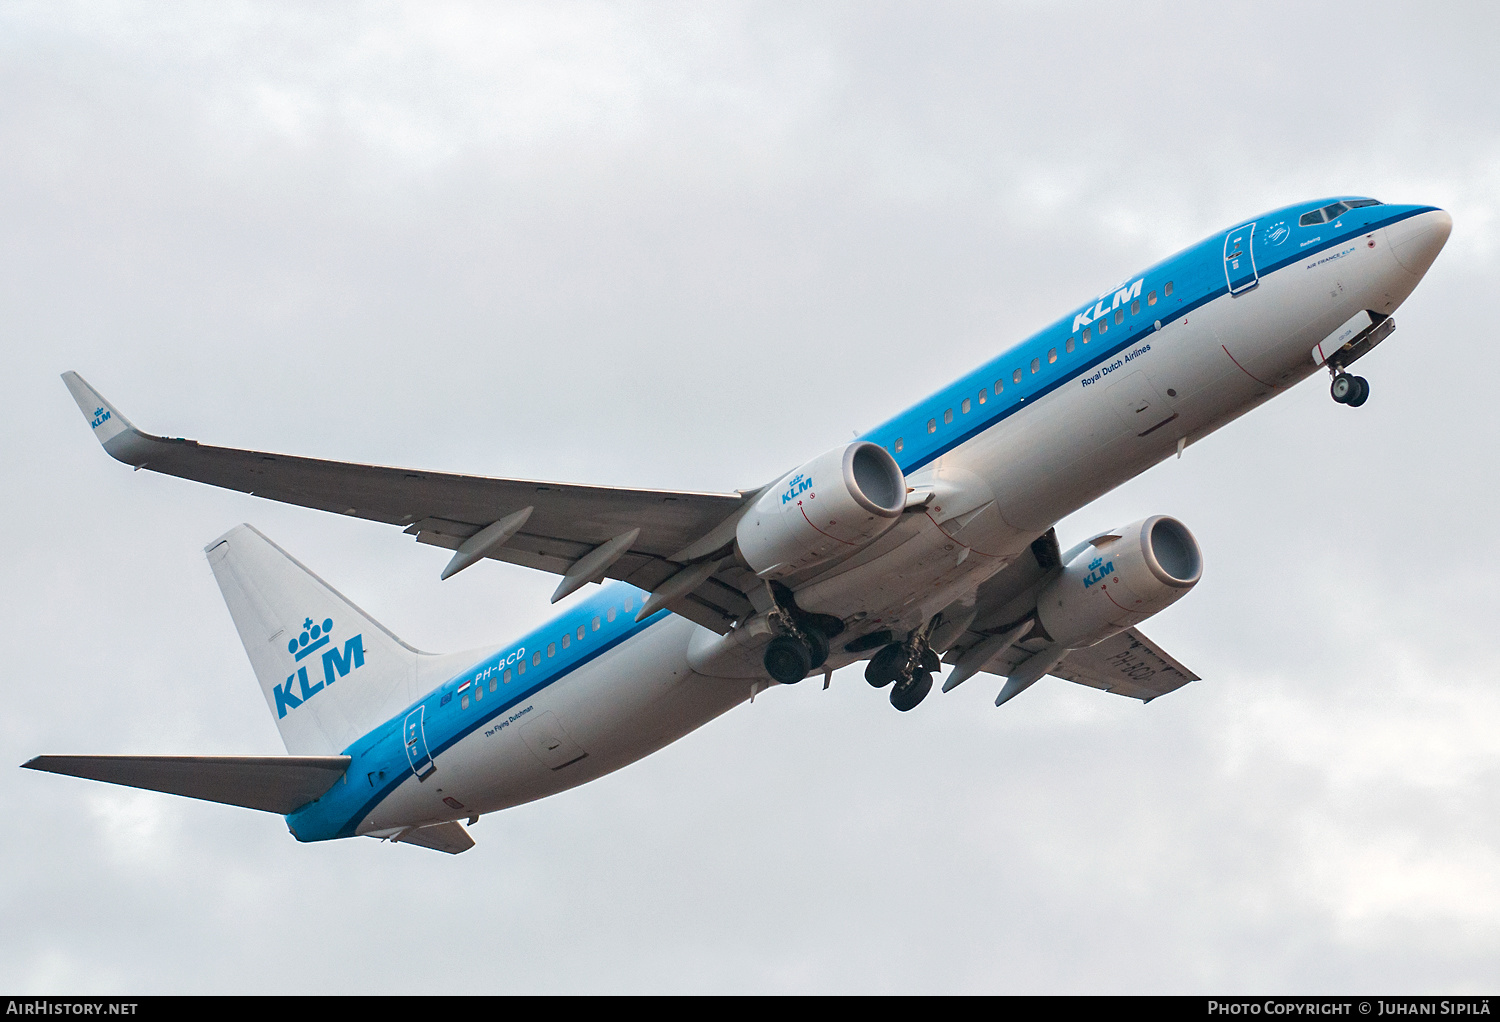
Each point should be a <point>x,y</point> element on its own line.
<point>272,784</point>
<point>445,837</point>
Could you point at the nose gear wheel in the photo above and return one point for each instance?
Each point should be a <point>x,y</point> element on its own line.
<point>1350,390</point>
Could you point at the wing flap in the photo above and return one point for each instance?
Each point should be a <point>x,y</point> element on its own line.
<point>272,784</point>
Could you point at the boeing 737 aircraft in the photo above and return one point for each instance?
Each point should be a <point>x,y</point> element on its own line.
<point>929,539</point>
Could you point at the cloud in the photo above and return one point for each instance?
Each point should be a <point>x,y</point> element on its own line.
<point>689,246</point>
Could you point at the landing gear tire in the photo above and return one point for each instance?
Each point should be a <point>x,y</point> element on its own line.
<point>906,695</point>
<point>817,647</point>
<point>1350,390</point>
<point>787,660</point>
<point>885,667</point>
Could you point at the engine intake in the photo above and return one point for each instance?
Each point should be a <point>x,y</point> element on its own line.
<point>1120,579</point>
<point>831,506</point>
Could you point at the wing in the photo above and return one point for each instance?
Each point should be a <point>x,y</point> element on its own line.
<point>657,540</point>
<point>996,641</point>
<point>1127,664</point>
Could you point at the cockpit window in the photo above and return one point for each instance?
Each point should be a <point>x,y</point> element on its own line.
<point>1334,211</point>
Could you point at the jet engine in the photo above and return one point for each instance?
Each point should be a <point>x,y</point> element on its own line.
<point>833,505</point>
<point>1120,579</point>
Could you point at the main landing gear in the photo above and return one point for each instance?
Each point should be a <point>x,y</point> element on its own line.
<point>802,643</point>
<point>1350,390</point>
<point>909,665</point>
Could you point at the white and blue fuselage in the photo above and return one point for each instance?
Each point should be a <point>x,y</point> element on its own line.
<point>1117,385</point>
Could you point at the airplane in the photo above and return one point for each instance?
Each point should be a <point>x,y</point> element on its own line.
<point>928,540</point>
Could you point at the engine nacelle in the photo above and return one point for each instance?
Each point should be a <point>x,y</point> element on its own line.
<point>1119,580</point>
<point>833,505</point>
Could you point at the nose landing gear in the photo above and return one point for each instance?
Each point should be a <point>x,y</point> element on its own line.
<point>1350,390</point>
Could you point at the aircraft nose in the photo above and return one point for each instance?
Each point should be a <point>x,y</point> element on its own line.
<point>1417,240</point>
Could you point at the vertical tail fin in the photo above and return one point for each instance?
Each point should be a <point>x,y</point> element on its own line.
<point>329,671</point>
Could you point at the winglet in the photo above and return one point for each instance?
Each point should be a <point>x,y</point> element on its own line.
<point>121,440</point>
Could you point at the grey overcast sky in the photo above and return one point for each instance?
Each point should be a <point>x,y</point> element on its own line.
<point>689,245</point>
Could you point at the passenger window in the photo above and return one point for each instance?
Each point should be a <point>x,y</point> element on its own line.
<point>629,604</point>
<point>521,665</point>
<point>984,395</point>
<point>463,704</point>
<point>900,445</point>
<point>948,416</point>
<point>932,425</point>
<point>507,671</point>
<point>479,692</point>
<point>1036,365</point>
<point>1052,356</point>
<point>595,623</point>
<point>1069,346</point>
<point>536,658</point>
<point>1135,306</point>
<point>564,641</point>
<point>966,406</point>
<point>552,649</point>
<point>1119,315</point>
<point>495,680</point>
<point>609,615</point>
<point>1103,325</point>
<point>1166,292</point>
<point>580,629</point>
<point>1087,333</point>
<point>999,386</point>
<point>1151,298</point>
<point>1016,376</point>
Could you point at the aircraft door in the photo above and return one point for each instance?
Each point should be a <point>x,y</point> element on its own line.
<point>415,737</point>
<point>1239,259</point>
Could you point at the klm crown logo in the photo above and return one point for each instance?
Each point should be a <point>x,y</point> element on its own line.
<point>800,484</point>
<point>1098,572</point>
<point>100,417</point>
<point>336,663</point>
<point>312,637</point>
